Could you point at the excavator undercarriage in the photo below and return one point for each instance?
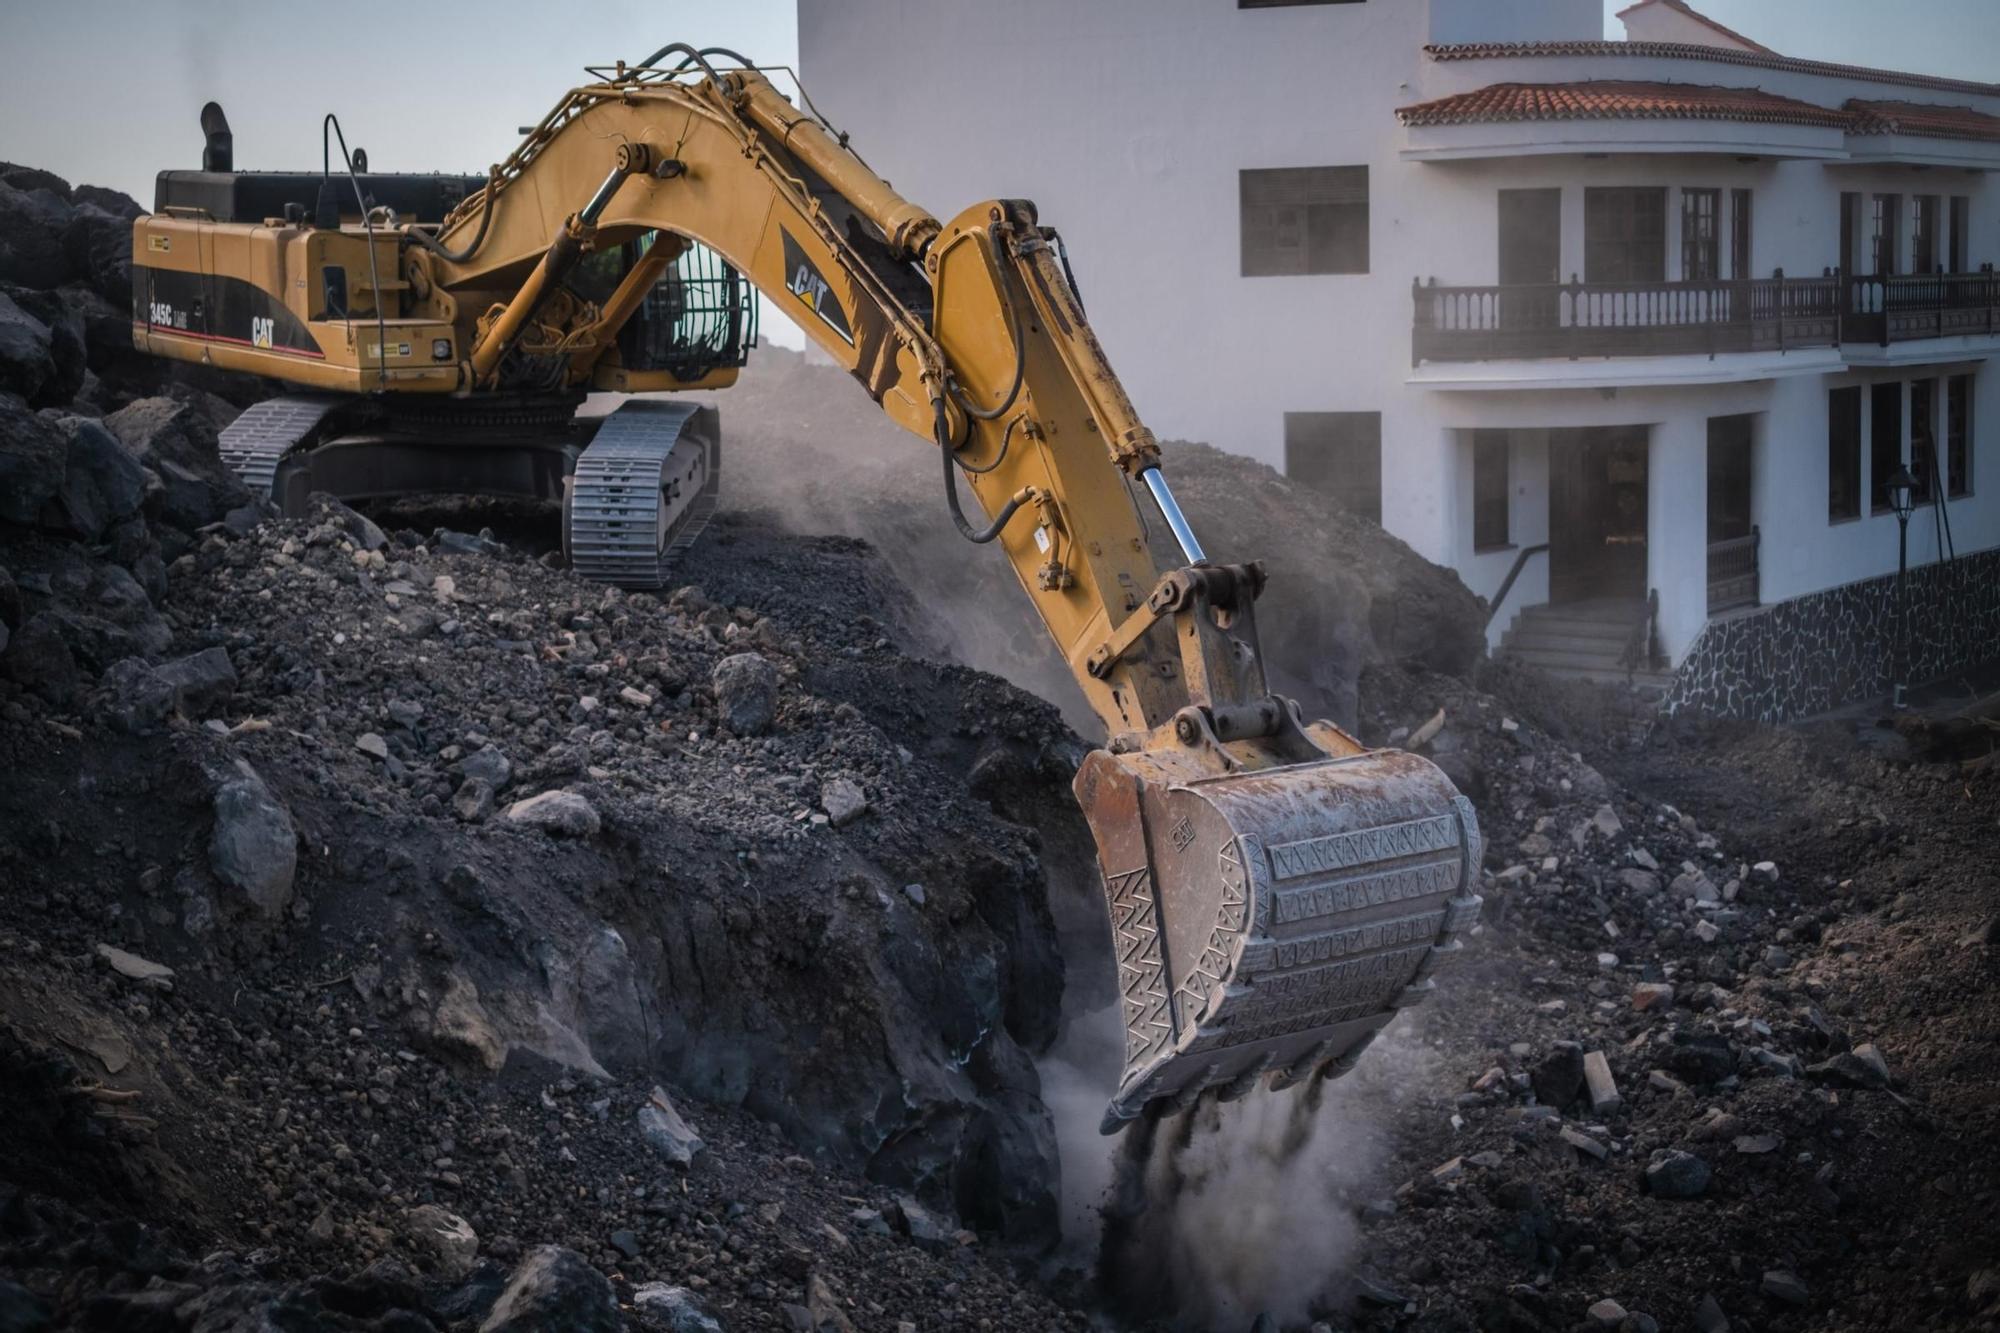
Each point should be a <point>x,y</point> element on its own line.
<point>1277,892</point>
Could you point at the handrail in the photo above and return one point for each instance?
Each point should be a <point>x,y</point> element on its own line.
<point>1507,584</point>
<point>1639,643</point>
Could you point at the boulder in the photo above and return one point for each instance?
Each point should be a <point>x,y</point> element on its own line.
<point>38,659</point>
<point>26,360</point>
<point>107,328</point>
<point>35,178</point>
<point>672,1309</point>
<point>67,355</point>
<point>843,800</point>
<point>559,813</point>
<point>444,1238</point>
<point>104,614</point>
<point>746,690</point>
<point>31,227</point>
<point>102,484</point>
<point>1673,1174</point>
<point>473,801</point>
<point>34,455</point>
<point>176,440</point>
<point>490,765</point>
<point>201,682</point>
<point>554,1288</point>
<point>135,698</point>
<point>665,1132</point>
<point>98,245</point>
<point>254,847</point>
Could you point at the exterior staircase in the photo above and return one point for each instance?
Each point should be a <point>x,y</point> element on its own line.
<point>1583,641</point>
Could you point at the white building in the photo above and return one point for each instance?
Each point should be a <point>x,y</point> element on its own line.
<point>1674,308</point>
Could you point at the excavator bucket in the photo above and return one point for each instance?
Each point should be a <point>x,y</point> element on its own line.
<point>1268,922</point>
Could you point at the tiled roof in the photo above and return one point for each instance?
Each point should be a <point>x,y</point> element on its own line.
<point>1681,7</point>
<point>1929,122</point>
<point>1712,54</point>
<point>1613,99</point>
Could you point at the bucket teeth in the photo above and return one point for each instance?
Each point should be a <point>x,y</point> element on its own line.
<point>1269,923</point>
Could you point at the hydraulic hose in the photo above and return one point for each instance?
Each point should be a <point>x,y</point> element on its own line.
<point>986,534</point>
<point>451,256</point>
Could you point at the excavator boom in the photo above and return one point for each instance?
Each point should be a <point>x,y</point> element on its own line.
<point>1277,892</point>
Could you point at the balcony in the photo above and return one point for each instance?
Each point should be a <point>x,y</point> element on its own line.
<point>1578,320</point>
<point>1594,319</point>
<point>1911,306</point>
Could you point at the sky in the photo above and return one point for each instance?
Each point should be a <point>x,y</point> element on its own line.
<point>447,87</point>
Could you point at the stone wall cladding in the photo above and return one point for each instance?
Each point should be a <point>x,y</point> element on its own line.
<point>1812,653</point>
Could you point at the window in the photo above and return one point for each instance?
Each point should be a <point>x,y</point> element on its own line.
<point>1843,454</point>
<point>1958,435</point>
<point>1961,228</point>
<point>1850,216</point>
<point>1700,235</point>
<point>1882,233</point>
<point>1489,489</point>
<point>1923,440</point>
<point>1739,234</point>
<point>1923,233</point>
<point>1625,235</point>
<point>1885,441</point>
<point>1339,453</point>
<point>1304,220</point>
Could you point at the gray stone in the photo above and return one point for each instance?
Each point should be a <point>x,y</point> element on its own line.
<point>38,658</point>
<point>672,1309</point>
<point>661,1125</point>
<point>552,1289</point>
<point>133,966</point>
<point>746,689</point>
<point>1606,1313</point>
<point>473,802</point>
<point>1584,1143</point>
<point>1784,1285</point>
<point>625,1242</point>
<point>843,801</point>
<point>443,1237</point>
<point>489,763</point>
<point>136,699</point>
<point>1673,1174</point>
<point>1604,1098</point>
<point>201,682</point>
<point>1644,859</point>
<point>102,484</point>
<point>1708,1316</point>
<point>34,456</point>
<point>1849,1069</point>
<point>254,847</point>
<point>921,1225</point>
<point>1606,822</point>
<point>561,814</point>
<point>372,745</point>
<point>1639,881</point>
<point>26,363</point>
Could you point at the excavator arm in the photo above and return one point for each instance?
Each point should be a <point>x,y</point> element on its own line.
<point>1276,891</point>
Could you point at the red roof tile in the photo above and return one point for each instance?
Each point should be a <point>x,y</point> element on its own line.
<point>1613,99</point>
<point>1925,121</point>
<point>1712,54</point>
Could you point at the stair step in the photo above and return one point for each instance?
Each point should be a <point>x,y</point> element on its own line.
<point>1550,661</point>
<point>1571,623</point>
<point>1651,683</point>
<point>1537,638</point>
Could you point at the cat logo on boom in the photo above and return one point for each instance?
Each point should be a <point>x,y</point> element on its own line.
<point>803,280</point>
<point>260,331</point>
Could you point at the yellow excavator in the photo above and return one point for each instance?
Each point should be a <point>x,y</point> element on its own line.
<point>1277,892</point>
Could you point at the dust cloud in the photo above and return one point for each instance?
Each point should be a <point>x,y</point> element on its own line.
<point>1230,1210</point>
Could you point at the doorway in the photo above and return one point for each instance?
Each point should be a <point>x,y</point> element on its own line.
<point>1597,513</point>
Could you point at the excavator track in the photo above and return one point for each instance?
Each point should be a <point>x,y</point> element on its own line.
<point>642,492</point>
<point>257,441</point>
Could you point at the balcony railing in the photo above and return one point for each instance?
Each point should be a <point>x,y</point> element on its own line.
<point>1908,306</point>
<point>1578,319</point>
<point>1732,572</point>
